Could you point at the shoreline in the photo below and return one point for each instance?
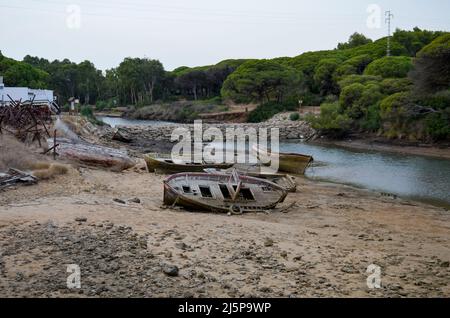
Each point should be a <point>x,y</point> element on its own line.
<point>372,145</point>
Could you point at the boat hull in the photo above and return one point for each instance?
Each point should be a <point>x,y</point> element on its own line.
<point>174,195</point>
<point>287,162</point>
<point>165,166</point>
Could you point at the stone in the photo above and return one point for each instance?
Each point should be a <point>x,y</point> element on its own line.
<point>445,264</point>
<point>81,219</point>
<point>119,201</point>
<point>135,200</point>
<point>170,270</point>
<point>268,242</point>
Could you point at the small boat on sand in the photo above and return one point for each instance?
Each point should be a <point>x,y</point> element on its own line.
<point>288,162</point>
<point>165,165</point>
<point>285,181</point>
<point>222,193</point>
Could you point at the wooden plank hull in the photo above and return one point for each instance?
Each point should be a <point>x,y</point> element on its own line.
<point>188,191</point>
<point>288,162</point>
<point>167,166</point>
<point>285,181</point>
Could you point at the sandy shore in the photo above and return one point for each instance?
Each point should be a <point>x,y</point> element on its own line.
<point>321,247</point>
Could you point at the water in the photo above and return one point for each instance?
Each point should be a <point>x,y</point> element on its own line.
<point>117,121</point>
<point>416,177</point>
<point>65,130</point>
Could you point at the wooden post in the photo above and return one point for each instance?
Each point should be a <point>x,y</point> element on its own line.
<point>54,144</point>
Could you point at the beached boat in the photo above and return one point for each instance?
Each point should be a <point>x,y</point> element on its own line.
<point>288,162</point>
<point>165,165</point>
<point>285,181</point>
<point>222,193</point>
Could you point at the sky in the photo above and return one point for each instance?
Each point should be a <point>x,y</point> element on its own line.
<point>199,32</point>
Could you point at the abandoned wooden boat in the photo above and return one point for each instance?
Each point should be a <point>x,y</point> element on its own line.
<point>288,162</point>
<point>92,154</point>
<point>223,193</point>
<point>165,165</point>
<point>285,181</point>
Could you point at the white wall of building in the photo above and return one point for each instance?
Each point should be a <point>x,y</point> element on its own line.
<point>24,94</point>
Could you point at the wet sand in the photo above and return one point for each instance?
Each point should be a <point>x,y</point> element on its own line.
<point>321,247</point>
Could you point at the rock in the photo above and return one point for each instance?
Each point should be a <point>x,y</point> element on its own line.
<point>182,246</point>
<point>119,201</point>
<point>81,219</point>
<point>268,242</point>
<point>121,135</point>
<point>170,270</point>
<point>135,200</point>
<point>445,264</point>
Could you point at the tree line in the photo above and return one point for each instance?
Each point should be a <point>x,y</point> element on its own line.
<point>359,88</point>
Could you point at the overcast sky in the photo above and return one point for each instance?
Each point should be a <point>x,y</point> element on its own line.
<point>198,32</point>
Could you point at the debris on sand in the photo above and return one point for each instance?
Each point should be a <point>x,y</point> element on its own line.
<point>14,177</point>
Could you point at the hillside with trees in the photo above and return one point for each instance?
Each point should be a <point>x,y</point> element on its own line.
<point>359,88</point>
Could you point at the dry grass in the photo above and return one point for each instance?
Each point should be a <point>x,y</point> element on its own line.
<point>53,170</point>
<point>14,154</point>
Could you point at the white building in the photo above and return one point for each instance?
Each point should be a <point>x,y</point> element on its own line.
<point>41,96</point>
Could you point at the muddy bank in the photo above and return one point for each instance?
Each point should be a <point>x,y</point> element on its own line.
<point>441,151</point>
<point>321,247</point>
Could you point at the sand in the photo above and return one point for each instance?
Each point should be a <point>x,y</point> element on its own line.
<point>322,247</point>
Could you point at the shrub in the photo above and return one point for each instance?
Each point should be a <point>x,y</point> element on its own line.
<point>439,100</point>
<point>390,67</point>
<point>331,121</point>
<point>391,86</point>
<point>355,65</point>
<point>431,68</point>
<point>394,106</point>
<point>86,111</point>
<point>438,126</point>
<point>268,110</point>
<point>361,79</point>
<point>372,120</point>
<point>350,94</point>
<point>294,117</point>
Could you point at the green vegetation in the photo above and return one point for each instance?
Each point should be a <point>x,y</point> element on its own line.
<point>268,110</point>
<point>294,117</point>
<point>390,67</point>
<point>16,73</point>
<point>398,96</point>
<point>331,121</point>
<point>178,111</point>
<point>262,81</point>
<point>356,39</point>
<point>88,113</point>
<point>359,88</point>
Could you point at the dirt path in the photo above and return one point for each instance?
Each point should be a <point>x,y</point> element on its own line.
<point>322,247</point>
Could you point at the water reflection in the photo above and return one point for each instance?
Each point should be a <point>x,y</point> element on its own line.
<point>405,175</point>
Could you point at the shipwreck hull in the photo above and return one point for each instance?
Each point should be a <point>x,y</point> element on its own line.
<point>287,162</point>
<point>216,193</point>
<point>167,166</point>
